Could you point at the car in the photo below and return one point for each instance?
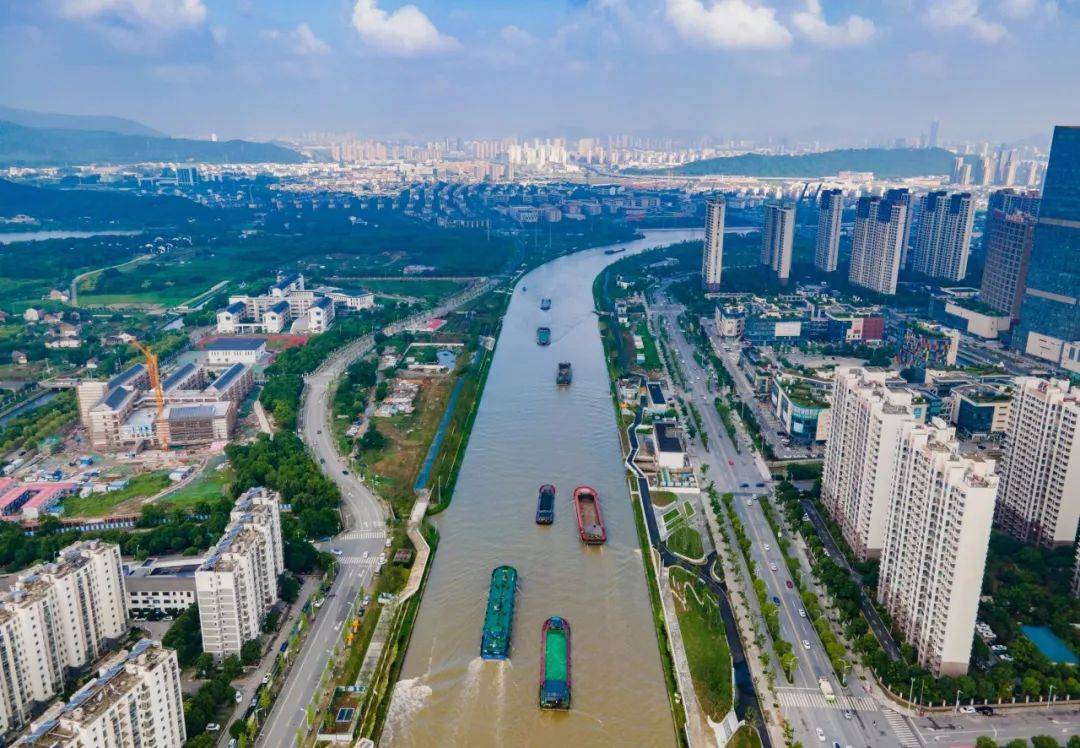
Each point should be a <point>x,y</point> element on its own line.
<point>836,744</point>
<point>322,460</point>
<point>337,551</point>
<point>266,679</point>
<point>388,543</point>
<point>366,601</point>
<point>768,547</point>
<point>848,714</point>
<point>789,584</point>
<point>319,431</point>
<point>318,603</point>
<point>805,517</point>
<point>967,710</point>
<point>344,472</point>
<point>772,566</point>
<point>238,696</point>
<point>776,600</point>
<point>826,552</point>
<point>986,711</point>
<point>213,727</point>
<point>821,735</point>
<point>730,461</point>
<point>744,485</point>
<point>760,485</point>
<point>802,613</point>
<point>806,643</point>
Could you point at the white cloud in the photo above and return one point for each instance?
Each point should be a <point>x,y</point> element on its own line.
<point>811,23</point>
<point>1029,9</point>
<point>963,15</point>
<point>405,32</point>
<point>306,43</point>
<point>728,24</point>
<point>159,15</point>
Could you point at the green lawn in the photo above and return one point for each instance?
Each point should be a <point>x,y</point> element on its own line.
<point>671,515</point>
<point>686,542</point>
<point>706,645</point>
<point>745,737</point>
<point>688,509</point>
<point>209,486</point>
<point>662,498</point>
<point>652,358</point>
<point>100,504</point>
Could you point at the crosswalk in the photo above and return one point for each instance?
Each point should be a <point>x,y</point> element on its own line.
<point>795,697</point>
<point>363,535</point>
<point>370,561</point>
<point>902,729</point>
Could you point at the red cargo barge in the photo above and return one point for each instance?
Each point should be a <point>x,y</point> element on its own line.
<point>589,520</point>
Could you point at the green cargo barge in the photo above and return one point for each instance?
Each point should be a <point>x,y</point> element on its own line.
<point>499,619</point>
<point>555,664</point>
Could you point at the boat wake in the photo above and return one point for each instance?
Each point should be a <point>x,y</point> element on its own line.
<point>410,696</point>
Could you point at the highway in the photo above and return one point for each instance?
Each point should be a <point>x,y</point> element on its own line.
<point>742,474</point>
<point>361,540</point>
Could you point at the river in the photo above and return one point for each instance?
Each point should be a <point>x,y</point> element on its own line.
<point>37,236</point>
<point>528,432</point>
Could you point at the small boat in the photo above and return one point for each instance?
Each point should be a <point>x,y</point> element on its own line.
<point>545,304</point>
<point>499,619</point>
<point>545,505</point>
<point>555,664</point>
<point>543,335</point>
<point>614,251</point>
<point>564,374</point>
<point>590,521</point>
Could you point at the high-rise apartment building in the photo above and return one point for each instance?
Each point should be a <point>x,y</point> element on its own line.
<point>237,583</point>
<point>1007,240</point>
<point>869,408</point>
<point>134,702</point>
<point>1050,313</point>
<point>56,616</point>
<point>1040,472</point>
<point>777,237</point>
<point>902,196</point>
<point>827,246</point>
<point>943,238</point>
<point>712,256</point>
<point>877,244</point>
<point>937,532</point>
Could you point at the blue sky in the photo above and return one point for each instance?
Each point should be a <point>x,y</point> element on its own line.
<point>842,71</point>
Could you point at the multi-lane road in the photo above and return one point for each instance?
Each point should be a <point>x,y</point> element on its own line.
<point>742,474</point>
<point>357,545</point>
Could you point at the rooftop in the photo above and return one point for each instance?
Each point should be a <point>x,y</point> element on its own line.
<point>235,344</point>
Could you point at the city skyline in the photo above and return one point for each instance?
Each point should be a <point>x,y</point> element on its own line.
<point>574,67</point>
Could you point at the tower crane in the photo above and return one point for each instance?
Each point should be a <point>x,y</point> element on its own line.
<point>155,385</point>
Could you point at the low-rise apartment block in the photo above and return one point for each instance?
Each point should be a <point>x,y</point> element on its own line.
<point>286,307</point>
<point>237,584</point>
<point>135,702</point>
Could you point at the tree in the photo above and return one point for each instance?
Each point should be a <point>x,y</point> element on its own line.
<point>238,728</point>
<point>372,439</point>
<point>288,587</point>
<point>185,636</point>
<point>231,668</point>
<point>1044,741</point>
<point>250,652</point>
<point>204,665</point>
<point>985,742</point>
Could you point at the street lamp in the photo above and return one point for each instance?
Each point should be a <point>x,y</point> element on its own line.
<point>957,708</point>
<point>1050,700</point>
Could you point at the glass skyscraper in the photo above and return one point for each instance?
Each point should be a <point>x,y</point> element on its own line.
<point>1050,313</point>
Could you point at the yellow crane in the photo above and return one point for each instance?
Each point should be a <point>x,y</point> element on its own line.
<point>155,385</point>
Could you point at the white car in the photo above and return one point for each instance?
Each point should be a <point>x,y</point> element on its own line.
<point>772,566</point>
<point>821,735</point>
<point>213,727</point>
<point>768,547</point>
<point>337,551</point>
<point>388,543</point>
<point>806,643</point>
<point>238,696</point>
<point>802,613</point>
<point>967,710</point>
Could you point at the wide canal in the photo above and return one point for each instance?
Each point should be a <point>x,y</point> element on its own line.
<point>529,432</point>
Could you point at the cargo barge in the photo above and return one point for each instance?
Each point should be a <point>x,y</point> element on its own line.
<point>543,335</point>
<point>555,664</point>
<point>499,619</point>
<point>564,374</point>
<point>589,519</point>
<point>614,251</point>
<point>545,303</point>
<point>545,505</point>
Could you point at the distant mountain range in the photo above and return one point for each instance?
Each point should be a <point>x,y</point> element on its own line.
<point>74,206</point>
<point>884,162</point>
<point>28,118</point>
<point>59,146</point>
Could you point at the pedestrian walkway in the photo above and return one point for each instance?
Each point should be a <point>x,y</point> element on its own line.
<point>801,697</point>
<point>900,726</point>
<point>362,535</point>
